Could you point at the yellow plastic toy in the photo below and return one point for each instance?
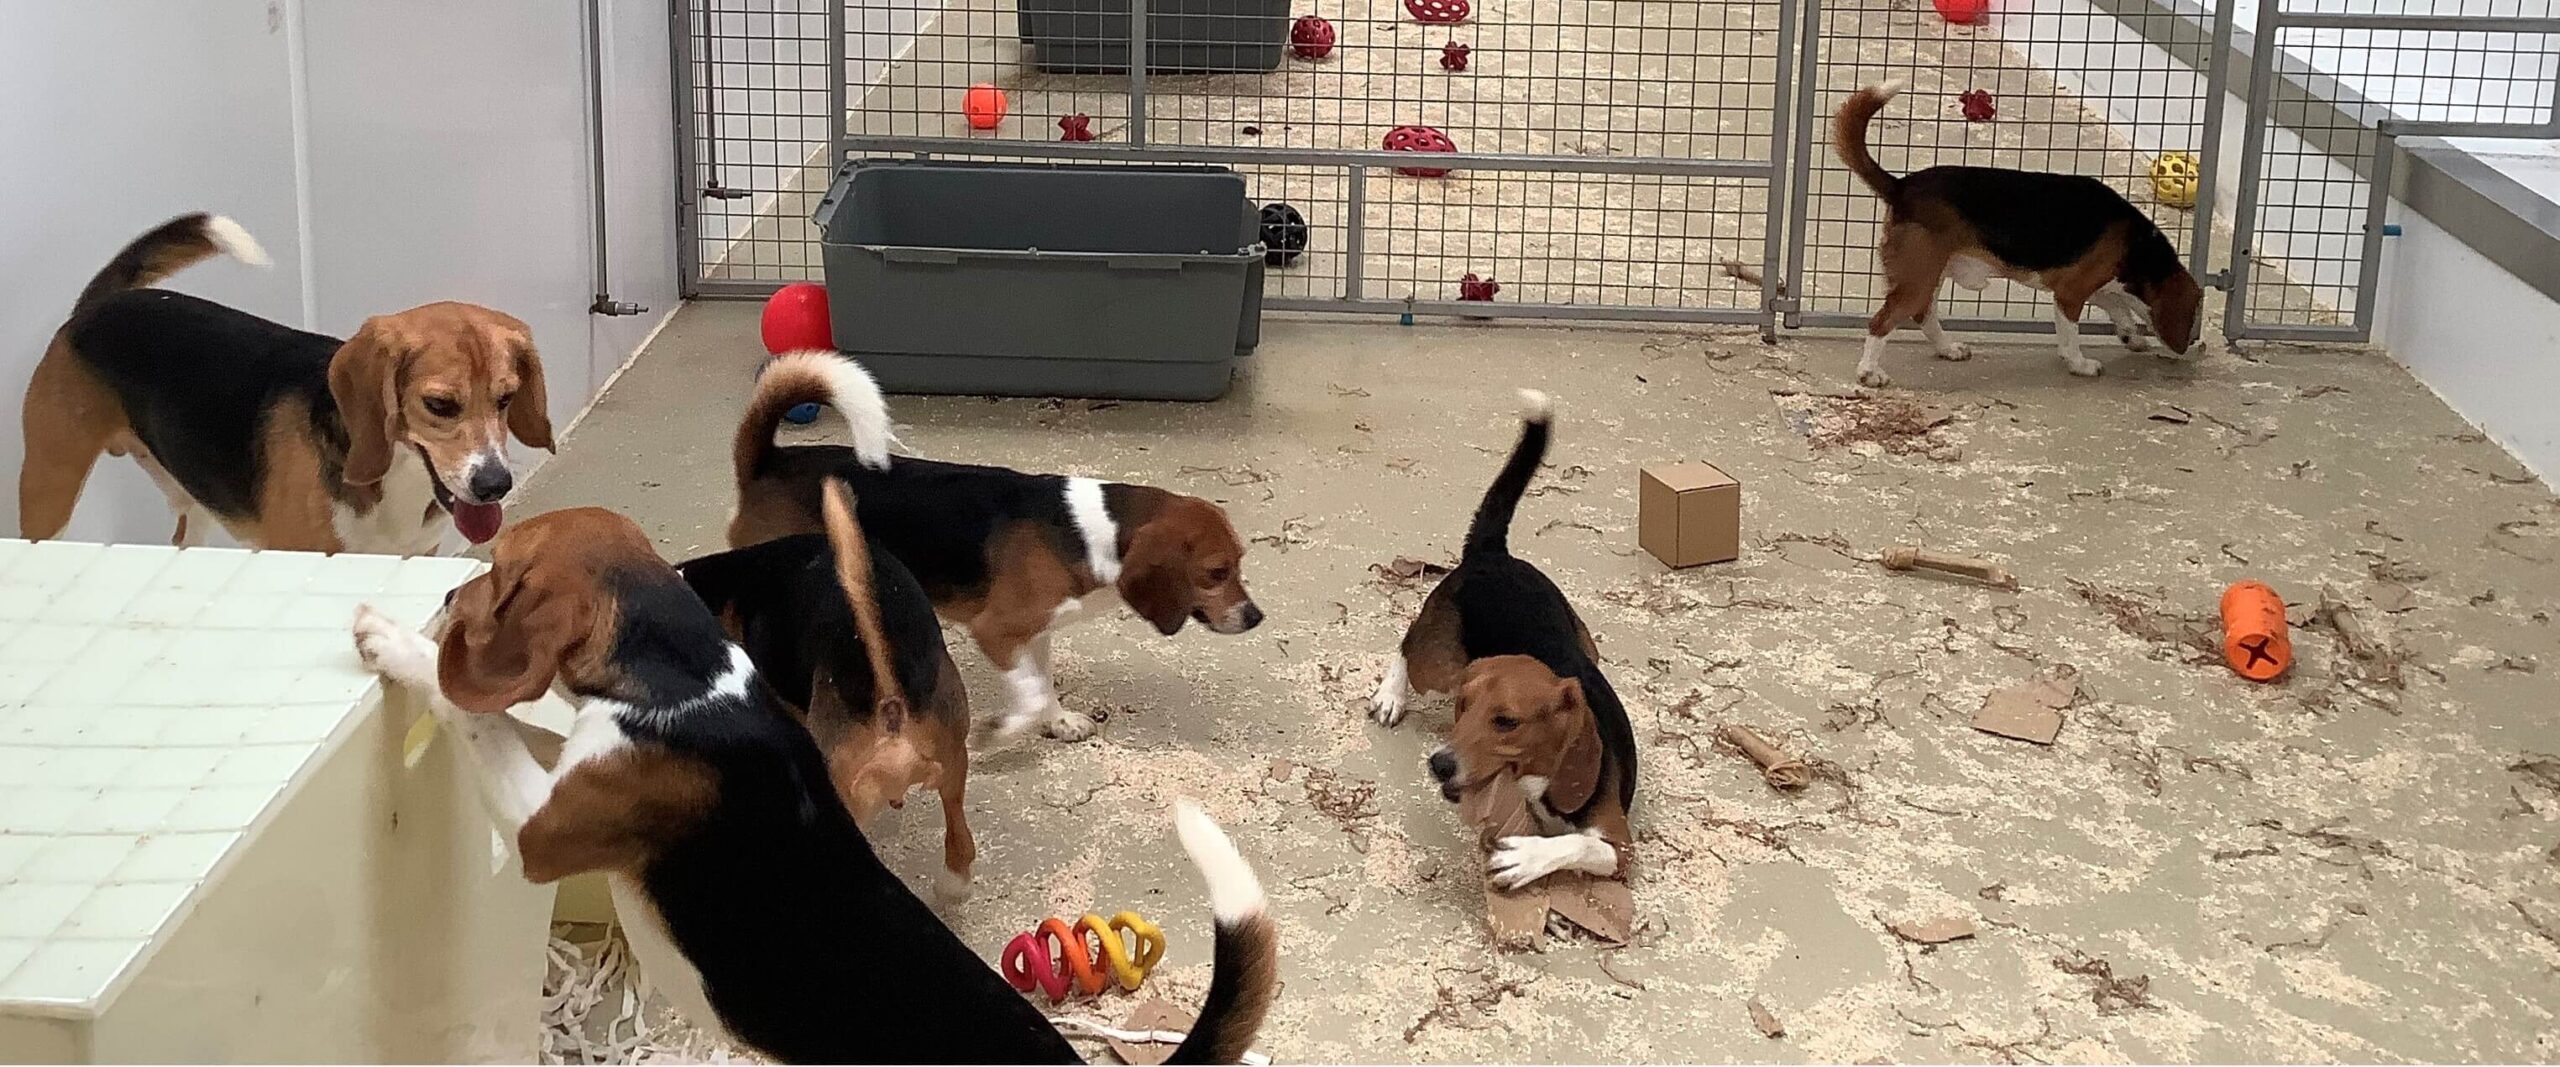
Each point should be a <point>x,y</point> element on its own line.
<point>2174,179</point>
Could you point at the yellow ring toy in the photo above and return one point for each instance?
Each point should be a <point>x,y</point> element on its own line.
<point>1130,965</point>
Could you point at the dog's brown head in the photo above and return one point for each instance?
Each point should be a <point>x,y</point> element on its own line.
<point>449,381</point>
<point>1186,562</point>
<point>2177,309</point>
<point>1516,715</point>
<point>545,611</point>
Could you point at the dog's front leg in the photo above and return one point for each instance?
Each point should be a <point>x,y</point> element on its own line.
<point>2127,315</point>
<point>512,783</point>
<point>1524,859</point>
<point>2066,328</point>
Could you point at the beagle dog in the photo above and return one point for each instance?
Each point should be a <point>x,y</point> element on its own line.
<point>748,893</point>
<point>848,641</point>
<point>1531,698</point>
<point>1011,556</point>
<point>289,440</point>
<point>2066,234</point>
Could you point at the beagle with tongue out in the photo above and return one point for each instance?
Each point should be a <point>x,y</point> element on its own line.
<point>287,439</point>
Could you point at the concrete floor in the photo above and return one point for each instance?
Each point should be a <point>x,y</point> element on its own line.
<point>2337,866</point>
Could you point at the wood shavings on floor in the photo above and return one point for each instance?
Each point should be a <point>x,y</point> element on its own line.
<point>596,1009</point>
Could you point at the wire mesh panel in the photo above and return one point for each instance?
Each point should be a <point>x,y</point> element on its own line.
<point>2334,86</point>
<point>757,80</point>
<point>2068,88</point>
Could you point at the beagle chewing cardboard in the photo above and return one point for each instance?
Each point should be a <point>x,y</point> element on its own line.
<point>1599,905</point>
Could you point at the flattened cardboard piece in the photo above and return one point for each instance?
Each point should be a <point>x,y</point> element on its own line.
<point>2029,711</point>
<point>1764,1019</point>
<point>1605,908</point>
<point>1151,1015</point>
<point>1937,930</point>
<point>1688,514</point>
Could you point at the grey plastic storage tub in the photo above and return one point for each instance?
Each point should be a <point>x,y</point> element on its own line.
<point>1033,279</point>
<point>1183,36</point>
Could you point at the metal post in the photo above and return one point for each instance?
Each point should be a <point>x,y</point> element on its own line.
<point>604,303</point>
<point>1780,144</point>
<point>2386,149</point>
<point>1355,195</point>
<point>2244,221</point>
<point>1138,72</point>
<point>836,118</point>
<point>1800,196</point>
<point>688,189</point>
<point>2217,73</point>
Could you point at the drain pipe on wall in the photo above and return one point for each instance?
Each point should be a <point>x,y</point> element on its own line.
<point>604,303</point>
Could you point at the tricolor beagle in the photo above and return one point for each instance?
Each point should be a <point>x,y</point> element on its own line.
<point>748,893</point>
<point>290,440</point>
<point>1012,556</point>
<point>1531,698</point>
<point>826,621</point>
<point>2066,234</point>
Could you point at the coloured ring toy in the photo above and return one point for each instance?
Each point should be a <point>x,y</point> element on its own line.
<point>1085,958</point>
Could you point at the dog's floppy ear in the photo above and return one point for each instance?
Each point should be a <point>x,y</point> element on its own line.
<point>2175,305</point>
<point>1155,579</point>
<point>1578,774</point>
<point>529,414</point>
<point>364,378</point>
<point>506,636</point>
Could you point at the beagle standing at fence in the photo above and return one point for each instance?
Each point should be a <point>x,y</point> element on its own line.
<point>749,895</point>
<point>1531,698</point>
<point>1011,556</point>
<point>2066,234</point>
<point>288,439</point>
<point>849,642</point>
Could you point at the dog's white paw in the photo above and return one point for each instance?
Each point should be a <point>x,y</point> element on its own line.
<point>1068,725</point>
<point>1956,352</point>
<point>394,651</point>
<point>2083,366</point>
<point>1525,859</point>
<point>952,888</point>
<point>1874,377</point>
<point>1386,706</point>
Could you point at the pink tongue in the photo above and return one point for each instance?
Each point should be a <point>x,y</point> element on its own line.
<point>478,522</point>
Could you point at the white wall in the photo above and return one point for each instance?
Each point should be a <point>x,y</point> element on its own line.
<point>387,154</point>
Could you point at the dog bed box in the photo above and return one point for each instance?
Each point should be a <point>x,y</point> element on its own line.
<point>1183,36</point>
<point>1040,279</point>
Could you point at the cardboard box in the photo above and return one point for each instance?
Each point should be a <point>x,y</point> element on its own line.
<point>1688,514</point>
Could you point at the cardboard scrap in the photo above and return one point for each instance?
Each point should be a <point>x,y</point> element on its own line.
<point>1762,1018</point>
<point>2172,414</point>
<point>2029,711</point>
<point>1602,907</point>
<point>1780,770</point>
<point>1934,931</point>
<point>1152,1015</point>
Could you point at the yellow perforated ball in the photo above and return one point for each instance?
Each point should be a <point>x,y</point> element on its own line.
<point>2175,179</point>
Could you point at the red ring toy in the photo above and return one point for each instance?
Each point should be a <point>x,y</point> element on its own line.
<point>1445,12</point>
<point>1419,139</point>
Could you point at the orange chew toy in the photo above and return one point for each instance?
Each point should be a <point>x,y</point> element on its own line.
<point>984,106</point>
<point>2254,640</point>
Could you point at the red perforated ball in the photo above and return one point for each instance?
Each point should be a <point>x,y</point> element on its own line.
<point>1311,38</point>
<point>1419,139</point>
<point>1441,11</point>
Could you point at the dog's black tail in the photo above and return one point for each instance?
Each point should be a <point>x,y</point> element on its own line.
<point>174,246</point>
<point>1491,530</point>
<point>1849,137</point>
<point>1245,975</point>
<point>853,572</point>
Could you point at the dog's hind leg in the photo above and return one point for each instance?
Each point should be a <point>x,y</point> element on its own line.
<point>1913,264</point>
<point>1905,302</point>
<point>69,418</point>
<point>1948,349</point>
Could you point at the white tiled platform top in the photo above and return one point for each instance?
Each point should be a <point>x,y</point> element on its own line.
<point>155,705</point>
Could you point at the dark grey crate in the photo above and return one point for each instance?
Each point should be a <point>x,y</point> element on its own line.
<point>1037,279</point>
<point>1183,36</point>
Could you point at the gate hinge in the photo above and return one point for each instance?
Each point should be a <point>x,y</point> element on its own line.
<point>1786,304</point>
<point>2220,279</point>
<point>607,305</point>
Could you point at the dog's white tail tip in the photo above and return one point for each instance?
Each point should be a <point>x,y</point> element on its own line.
<point>1235,894</point>
<point>1536,406</point>
<point>234,241</point>
<point>1887,90</point>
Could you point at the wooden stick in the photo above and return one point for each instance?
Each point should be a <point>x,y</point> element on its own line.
<point>1781,770</point>
<point>1908,557</point>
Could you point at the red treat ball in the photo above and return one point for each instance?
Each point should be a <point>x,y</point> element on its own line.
<point>1419,139</point>
<point>1962,12</point>
<point>1439,11</point>
<point>795,318</point>
<point>1311,38</point>
<point>1453,56</point>
<point>1471,287</point>
<point>1977,105</point>
<point>984,106</point>
<point>1076,127</point>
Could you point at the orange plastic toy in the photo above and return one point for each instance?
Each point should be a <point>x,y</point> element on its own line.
<point>2254,639</point>
<point>984,106</point>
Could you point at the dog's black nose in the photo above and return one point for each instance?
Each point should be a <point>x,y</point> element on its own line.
<point>491,481</point>
<point>1444,765</point>
<point>1252,615</point>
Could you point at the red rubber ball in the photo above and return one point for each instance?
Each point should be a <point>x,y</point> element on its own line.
<point>1962,12</point>
<point>795,317</point>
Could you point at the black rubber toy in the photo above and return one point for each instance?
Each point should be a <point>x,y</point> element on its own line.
<point>1284,234</point>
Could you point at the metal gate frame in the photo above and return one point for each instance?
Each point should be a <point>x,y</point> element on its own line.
<point>2266,57</point>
